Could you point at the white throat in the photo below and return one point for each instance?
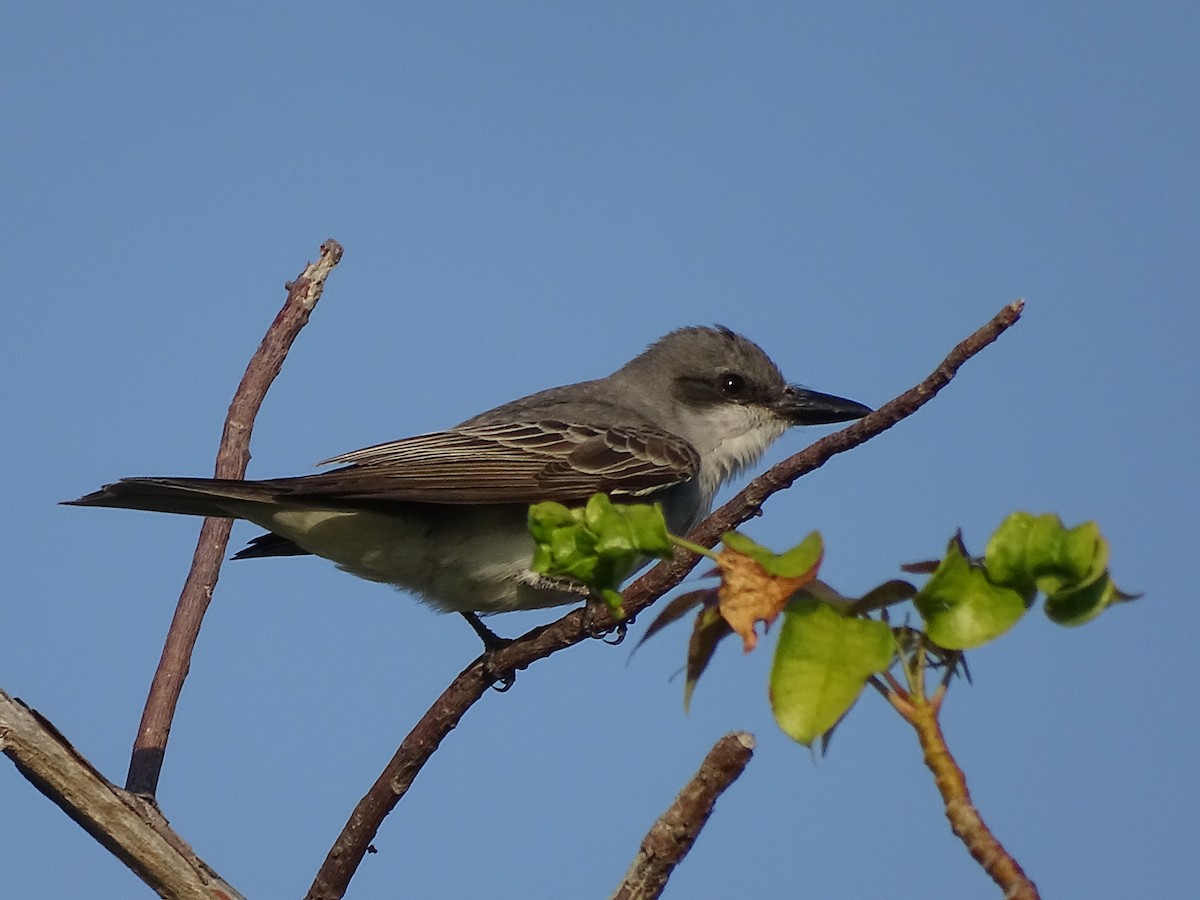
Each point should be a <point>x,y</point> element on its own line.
<point>729,439</point>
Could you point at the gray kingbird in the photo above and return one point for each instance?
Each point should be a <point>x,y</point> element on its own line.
<point>443,515</point>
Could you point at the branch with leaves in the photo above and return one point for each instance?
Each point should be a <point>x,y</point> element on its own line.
<point>473,682</point>
<point>127,821</point>
<point>830,646</point>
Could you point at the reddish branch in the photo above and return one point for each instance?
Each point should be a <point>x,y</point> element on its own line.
<point>351,845</point>
<point>146,761</point>
<point>922,713</point>
<point>672,835</point>
<point>129,827</point>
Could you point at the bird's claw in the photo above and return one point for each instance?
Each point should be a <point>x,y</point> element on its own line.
<point>594,607</point>
<point>617,634</point>
<point>501,681</point>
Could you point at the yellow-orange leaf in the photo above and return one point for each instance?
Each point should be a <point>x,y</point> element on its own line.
<point>749,594</point>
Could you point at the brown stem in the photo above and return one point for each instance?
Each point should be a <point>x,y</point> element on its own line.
<point>965,821</point>
<point>347,852</point>
<point>129,827</point>
<point>149,748</point>
<point>673,834</point>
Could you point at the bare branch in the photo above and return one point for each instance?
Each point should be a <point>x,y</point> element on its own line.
<point>351,845</point>
<point>150,746</point>
<point>673,834</point>
<point>128,826</point>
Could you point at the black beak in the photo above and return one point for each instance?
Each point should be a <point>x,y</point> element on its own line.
<point>800,406</point>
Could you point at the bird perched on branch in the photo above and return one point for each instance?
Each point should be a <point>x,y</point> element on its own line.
<point>444,514</point>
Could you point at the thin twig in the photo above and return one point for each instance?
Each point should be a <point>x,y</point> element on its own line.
<point>348,849</point>
<point>129,827</point>
<point>149,748</point>
<point>965,821</point>
<point>673,834</point>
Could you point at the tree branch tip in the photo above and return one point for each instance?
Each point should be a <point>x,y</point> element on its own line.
<point>1011,312</point>
<point>745,738</point>
<point>233,455</point>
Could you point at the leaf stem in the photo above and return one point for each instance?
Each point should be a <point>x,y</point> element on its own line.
<point>692,547</point>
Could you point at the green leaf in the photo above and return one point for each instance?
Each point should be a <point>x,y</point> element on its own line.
<point>1037,549</point>
<point>1075,606</point>
<point>545,518</point>
<point>793,563</point>
<point>1069,566</point>
<point>634,527</point>
<point>598,544</point>
<point>573,551</point>
<point>962,608</point>
<point>822,662</point>
<point>735,540</point>
<point>614,601</point>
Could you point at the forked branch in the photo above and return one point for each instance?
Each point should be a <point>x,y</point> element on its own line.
<point>129,827</point>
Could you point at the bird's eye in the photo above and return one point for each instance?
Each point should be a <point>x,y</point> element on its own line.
<point>732,384</point>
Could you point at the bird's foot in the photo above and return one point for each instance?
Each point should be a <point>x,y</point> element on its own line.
<point>502,680</point>
<point>594,609</point>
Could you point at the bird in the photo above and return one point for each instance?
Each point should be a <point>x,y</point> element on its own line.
<point>444,515</point>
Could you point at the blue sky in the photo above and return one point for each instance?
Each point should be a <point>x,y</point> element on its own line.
<point>529,194</point>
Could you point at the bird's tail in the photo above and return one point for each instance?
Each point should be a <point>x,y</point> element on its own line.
<point>188,496</point>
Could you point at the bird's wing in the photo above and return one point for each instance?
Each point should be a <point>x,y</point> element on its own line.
<point>503,463</point>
